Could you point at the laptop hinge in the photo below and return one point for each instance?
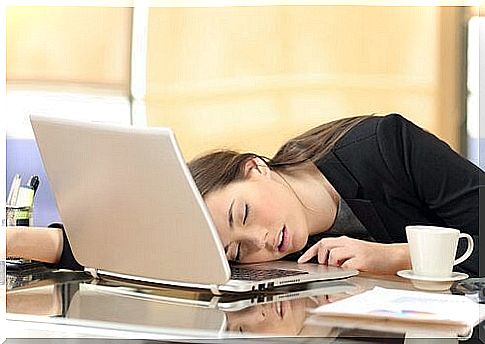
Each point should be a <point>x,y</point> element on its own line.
<point>93,272</point>
<point>214,301</point>
<point>215,289</point>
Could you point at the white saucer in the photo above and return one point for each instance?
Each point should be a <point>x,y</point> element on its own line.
<point>455,276</point>
<point>432,283</point>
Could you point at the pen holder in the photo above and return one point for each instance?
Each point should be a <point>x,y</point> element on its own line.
<point>19,216</point>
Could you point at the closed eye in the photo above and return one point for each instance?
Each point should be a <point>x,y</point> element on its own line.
<point>246,213</point>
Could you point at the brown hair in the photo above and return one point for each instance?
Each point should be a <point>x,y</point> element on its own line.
<point>217,169</point>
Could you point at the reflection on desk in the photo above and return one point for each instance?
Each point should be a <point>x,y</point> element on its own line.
<point>145,311</point>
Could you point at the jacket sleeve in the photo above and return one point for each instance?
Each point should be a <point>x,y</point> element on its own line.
<point>445,183</point>
<point>67,260</point>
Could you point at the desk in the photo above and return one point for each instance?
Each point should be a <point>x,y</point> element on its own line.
<point>66,304</point>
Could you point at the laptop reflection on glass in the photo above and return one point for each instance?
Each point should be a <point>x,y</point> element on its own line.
<point>132,210</point>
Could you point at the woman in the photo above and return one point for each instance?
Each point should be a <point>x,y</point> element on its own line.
<point>341,194</point>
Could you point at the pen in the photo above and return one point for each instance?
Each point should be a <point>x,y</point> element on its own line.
<point>26,192</point>
<point>34,183</point>
<point>14,190</point>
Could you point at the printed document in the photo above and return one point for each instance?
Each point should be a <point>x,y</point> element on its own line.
<point>405,305</point>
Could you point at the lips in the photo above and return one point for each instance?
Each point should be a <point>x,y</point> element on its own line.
<point>283,240</point>
<point>281,307</point>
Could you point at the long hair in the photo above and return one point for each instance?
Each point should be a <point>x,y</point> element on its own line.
<point>315,143</point>
<point>217,169</point>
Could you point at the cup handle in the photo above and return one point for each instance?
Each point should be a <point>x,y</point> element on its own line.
<point>469,249</point>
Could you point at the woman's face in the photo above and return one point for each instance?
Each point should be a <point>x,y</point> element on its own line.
<point>283,317</point>
<point>258,218</point>
<point>278,318</point>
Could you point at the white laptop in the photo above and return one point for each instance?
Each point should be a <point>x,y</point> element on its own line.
<point>132,210</point>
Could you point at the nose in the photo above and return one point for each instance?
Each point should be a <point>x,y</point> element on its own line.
<point>249,319</point>
<point>257,237</point>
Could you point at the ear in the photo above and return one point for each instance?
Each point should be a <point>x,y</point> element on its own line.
<point>256,167</point>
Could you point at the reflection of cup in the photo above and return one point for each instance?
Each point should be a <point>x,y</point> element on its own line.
<point>19,216</point>
<point>433,250</point>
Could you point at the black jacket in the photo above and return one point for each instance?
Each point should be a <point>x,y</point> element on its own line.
<point>393,173</point>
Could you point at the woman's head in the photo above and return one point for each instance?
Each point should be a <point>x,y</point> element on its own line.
<point>258,215</point>
<point>277,318</point>
<point>281,318</point>
<point>218,169</point>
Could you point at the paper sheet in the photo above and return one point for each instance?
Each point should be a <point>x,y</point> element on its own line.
<point>405,305</point>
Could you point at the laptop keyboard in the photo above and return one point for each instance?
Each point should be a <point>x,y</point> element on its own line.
<point>251,274</point>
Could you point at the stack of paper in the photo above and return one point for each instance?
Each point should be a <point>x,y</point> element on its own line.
<point>405,305</point>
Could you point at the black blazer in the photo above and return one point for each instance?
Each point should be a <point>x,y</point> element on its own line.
<point>393,173</point>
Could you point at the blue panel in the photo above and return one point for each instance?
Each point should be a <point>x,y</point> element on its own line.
<point>23,158</point>
<point>476,151</point>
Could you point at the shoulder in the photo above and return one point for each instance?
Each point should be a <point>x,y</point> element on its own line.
<point>395,124</point>
<point>374,127</point>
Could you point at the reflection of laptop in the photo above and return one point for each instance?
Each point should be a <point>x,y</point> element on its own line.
<point>228,302</point>
<point>174,308</point>
<point>131,209</point>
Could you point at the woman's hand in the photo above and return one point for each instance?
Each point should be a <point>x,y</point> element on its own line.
<point>360,255</point>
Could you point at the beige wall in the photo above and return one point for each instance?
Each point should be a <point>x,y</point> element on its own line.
<point>251,77</point>
<point>85,45</point>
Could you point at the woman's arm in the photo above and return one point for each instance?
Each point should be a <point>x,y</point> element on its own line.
<point>40,244</point>
<point>446,185</point>
<point>429,171</point>
<point>431,177</point>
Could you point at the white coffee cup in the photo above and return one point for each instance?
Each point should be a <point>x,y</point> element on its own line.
<point>433,250</point>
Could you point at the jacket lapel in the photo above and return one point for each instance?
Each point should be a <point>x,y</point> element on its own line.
<point>348,188</point>
<point>366,212</point>
<point>340,178</point>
